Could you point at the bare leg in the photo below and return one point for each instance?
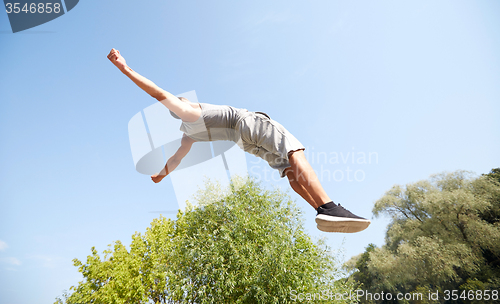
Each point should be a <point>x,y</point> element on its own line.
<point>304,175</point>
<point>297,187</point>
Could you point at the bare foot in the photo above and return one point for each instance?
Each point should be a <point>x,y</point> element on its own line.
<point>117,59</point>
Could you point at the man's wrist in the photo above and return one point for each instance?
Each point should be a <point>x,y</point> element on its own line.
<point>125,69</point>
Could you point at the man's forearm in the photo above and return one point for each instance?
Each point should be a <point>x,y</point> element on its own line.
<point>147,85</point>
<point>171,164</point>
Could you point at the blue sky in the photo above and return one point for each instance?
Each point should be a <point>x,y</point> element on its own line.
<point>414,83</point>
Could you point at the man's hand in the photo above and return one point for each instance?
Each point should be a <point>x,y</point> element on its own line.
<point>158,177</point>
<point>117,59</point>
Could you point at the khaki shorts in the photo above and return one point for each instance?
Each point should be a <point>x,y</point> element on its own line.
<point>267,139</point>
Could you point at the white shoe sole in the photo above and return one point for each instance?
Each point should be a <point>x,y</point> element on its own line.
<point>328,223</point>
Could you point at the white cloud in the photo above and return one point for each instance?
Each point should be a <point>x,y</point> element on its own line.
<point>3,245</point>
<point>11,261</point>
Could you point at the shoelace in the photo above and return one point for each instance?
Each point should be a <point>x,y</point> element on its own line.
<point>345,209</point>
<point>339,205</point>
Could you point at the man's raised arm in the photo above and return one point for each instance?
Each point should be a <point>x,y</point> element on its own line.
<point>173,103</point>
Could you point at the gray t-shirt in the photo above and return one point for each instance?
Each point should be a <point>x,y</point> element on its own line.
<point>216,122</point>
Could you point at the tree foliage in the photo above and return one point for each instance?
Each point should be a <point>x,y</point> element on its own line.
<point>247,245</point>
<point>444,235</point>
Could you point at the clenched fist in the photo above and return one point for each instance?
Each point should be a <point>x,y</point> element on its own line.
<point>117,59</point>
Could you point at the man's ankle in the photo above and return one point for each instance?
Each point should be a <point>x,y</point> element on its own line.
<point>328,205</point>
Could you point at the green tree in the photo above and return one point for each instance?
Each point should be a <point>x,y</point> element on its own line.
<point>444,235</point>
<point>244,245</point>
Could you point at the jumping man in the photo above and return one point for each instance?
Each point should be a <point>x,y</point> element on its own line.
<point>257,134</point>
